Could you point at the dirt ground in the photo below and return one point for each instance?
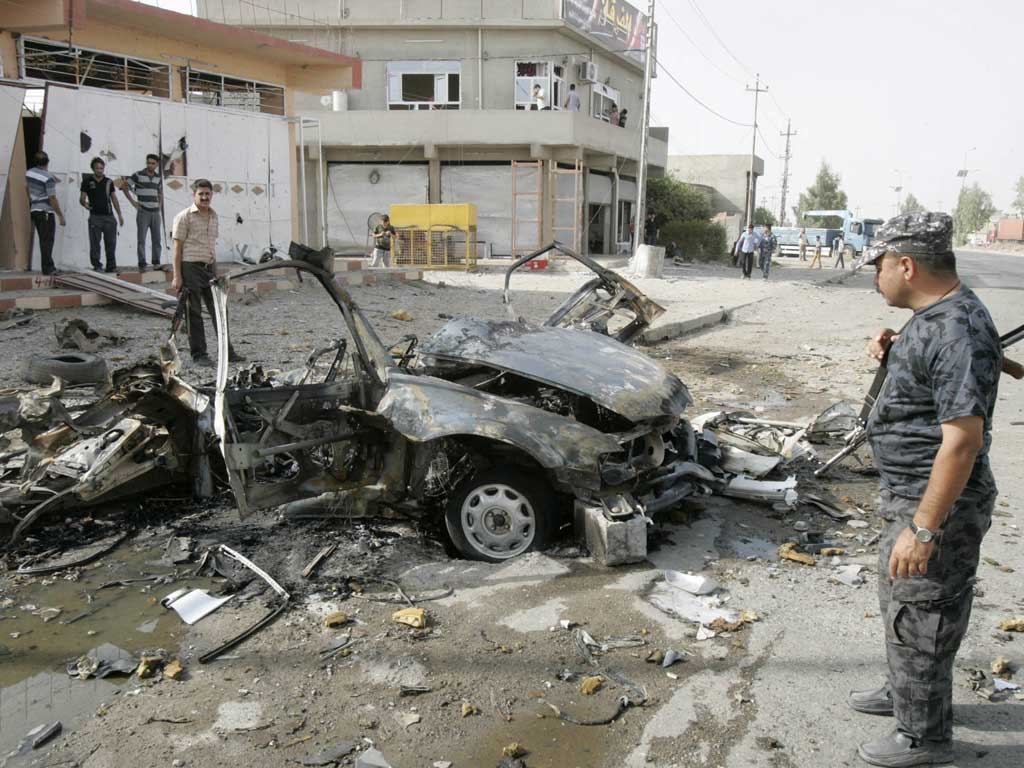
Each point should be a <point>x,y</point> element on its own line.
<point>498,665</point>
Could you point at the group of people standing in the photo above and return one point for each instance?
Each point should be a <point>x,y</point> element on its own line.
<point>838,250</point>
<point>761,243</point>
<point>573,104</point>
<point>98,195</point>
<point>194,233</point>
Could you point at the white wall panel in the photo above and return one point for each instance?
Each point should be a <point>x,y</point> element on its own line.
<point>354,197</point>
<point>489,187</point>
<point>11,98</point>
<point>238,152</point>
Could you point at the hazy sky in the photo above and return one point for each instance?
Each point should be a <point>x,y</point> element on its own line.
<point>890,93</point>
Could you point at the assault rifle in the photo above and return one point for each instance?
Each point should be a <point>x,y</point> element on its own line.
<point>858,435</point>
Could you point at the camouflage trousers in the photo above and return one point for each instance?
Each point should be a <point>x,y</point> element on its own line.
<point>926,616</point>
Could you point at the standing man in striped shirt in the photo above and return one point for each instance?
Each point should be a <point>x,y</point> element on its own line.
<point>195,233</point>
<point>43,206</point>
<point>147,202</point>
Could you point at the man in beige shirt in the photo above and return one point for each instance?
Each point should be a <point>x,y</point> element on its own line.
<point>195,266</point>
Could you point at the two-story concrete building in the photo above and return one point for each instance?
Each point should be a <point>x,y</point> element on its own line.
<point>448,112</point>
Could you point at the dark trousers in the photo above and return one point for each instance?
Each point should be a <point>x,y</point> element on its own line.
<point>195,279</point>
<point>105,228</point>
<point>148,222</point>
<point>46,227</point>
<point>747,263</point>
<point>926,617</point>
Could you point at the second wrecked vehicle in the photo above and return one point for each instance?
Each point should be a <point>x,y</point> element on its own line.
<point>498,426</point>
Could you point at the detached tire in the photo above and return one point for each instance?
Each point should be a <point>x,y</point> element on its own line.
<point>70,367</point>
<point>500,514</point>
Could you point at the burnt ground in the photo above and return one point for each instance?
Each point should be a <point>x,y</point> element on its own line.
<point>495,642</point>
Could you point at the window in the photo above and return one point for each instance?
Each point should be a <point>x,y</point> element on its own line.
<point>59,63</point>
<point>855,228</point>
<point>602,99</point>
<point>233,93</point>
<point>550,78</point>
<point>424,85</point>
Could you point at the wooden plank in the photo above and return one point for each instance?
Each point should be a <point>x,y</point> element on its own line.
<point>121,291</point>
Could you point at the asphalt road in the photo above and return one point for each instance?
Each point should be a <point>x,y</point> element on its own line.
<point>991,270</point>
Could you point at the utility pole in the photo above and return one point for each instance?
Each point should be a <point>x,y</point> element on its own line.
<point>645,127</point>
<point>785,172</point>
<point>757,90</point>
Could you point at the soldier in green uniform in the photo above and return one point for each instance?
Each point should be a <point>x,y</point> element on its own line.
<point>930,433</point>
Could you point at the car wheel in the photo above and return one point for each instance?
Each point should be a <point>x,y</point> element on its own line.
<point>500,514</point>
<point>70,367</point>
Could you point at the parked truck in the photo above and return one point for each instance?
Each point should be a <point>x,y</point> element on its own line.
<point>1011,230</point>
<point>857,235</point>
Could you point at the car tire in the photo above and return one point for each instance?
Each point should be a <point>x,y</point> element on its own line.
<point>69,367</point>
<point>500,514</point>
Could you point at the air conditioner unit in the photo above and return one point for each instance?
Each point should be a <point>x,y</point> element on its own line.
<point>586,72</point>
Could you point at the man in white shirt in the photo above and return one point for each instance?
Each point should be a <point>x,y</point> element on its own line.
<point>539,99</point>
<point>746,245</point>
<point>572,103</point>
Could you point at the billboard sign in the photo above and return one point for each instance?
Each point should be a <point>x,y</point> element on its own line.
<point>616,23</point>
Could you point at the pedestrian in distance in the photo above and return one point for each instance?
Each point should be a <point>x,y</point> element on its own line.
<point>803,244</point>
<point>839,248</point>
<point>765,249</point>
<point>622,118</point>
<point>613,115</point>
<point>930,432</point>
<point>817,253</point>
<point>195,233</point>
<point>746,246</point>
<point>44,209</point>
<point>99,197</point>
<point>650,229</point>
<point>146,184</point>
<point>572,101</point>
<point>382,237</point>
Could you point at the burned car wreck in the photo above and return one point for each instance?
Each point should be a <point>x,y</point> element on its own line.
<point>500,430</point>
<point>497,425</point>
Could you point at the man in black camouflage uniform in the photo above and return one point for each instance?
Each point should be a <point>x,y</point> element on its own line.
<point>930,433</point>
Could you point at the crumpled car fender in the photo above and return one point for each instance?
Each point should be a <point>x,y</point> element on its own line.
<point>423,408</point>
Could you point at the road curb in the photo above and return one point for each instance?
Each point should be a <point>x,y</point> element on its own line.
<point>686,327</point>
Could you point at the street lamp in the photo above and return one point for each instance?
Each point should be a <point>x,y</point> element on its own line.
<point>962,173</point>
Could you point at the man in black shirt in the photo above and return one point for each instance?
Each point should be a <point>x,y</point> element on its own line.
<point>100,199</point>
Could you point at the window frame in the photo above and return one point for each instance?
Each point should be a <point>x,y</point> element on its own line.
<point>554,83</point>
<point>257,93</point>
<point>442,71</point>
<point>131,65</point>
<point>599,95</point>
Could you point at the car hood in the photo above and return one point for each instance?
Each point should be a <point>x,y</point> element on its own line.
<point>613,375</point>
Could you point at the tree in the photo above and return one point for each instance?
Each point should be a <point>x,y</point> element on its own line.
<point>973,210</point>
<point>823,195</point>
<point>671,200</point>
<point>911,204</point>
<point>763,216</point>
<point>1018,201</point>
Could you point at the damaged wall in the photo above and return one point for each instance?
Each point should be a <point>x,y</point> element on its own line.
<point>245,155</point>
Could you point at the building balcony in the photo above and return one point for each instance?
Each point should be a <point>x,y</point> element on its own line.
<point>546,133</point>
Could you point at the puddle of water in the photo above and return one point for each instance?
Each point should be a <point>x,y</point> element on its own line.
<point>34,684</point>
<point>550,742</point>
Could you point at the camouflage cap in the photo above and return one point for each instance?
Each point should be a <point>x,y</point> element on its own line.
<point>911,233</point>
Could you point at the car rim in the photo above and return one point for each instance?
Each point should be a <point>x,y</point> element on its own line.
<point>498,520</point>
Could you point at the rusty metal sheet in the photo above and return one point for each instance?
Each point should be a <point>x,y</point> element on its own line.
<point>121,291</point>
<point>613,375</point>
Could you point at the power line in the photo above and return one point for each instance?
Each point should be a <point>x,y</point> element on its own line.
<point>698,48</point>
<point>685,90</point>
<point>721,42</point>
<point>767,146</point>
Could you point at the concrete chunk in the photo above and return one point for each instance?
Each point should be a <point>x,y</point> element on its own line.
<point>612,542</point>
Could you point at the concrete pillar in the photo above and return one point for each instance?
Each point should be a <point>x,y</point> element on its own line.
<point>615,207</point>
<point>585,206</point>
<point>547,202</point>
<point>433,173</point>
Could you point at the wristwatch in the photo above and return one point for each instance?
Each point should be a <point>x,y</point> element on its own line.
<point>922,534</point>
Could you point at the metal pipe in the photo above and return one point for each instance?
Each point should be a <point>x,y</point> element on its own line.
<point>302,183</point>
